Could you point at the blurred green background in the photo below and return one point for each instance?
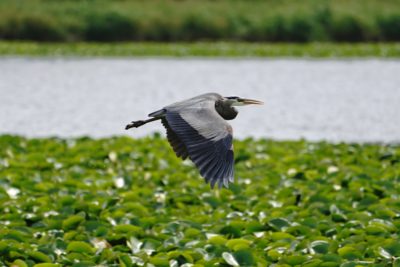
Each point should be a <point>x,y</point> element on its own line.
<point>190,20</point>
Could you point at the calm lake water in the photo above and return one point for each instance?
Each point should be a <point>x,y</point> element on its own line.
<point>337,100</point>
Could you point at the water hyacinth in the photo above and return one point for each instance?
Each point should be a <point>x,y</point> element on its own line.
<point>131,202</point>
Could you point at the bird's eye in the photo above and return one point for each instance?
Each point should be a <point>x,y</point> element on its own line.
<point>232,97</point>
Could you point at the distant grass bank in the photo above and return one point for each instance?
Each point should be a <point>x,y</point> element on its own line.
<point>192,20</point>
<point>203,49</point>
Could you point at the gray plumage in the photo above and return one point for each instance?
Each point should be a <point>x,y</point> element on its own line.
<point>196,129</point>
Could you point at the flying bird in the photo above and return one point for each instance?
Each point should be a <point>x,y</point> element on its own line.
<point>197,129</point>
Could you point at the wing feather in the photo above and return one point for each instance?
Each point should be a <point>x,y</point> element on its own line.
<point>177,145</point>
<point>200,133</point>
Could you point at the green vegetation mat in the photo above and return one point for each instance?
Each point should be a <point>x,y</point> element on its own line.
<point>193,20</point>
<point>219,49</point>
<point>131,202</point>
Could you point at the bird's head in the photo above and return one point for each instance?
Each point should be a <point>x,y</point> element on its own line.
<point>238,101</point>
<point>226,106</point>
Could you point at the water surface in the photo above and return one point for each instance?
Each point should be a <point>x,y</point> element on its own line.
<point>337,100</point>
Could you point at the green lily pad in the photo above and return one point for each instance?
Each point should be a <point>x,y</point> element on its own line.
<point>281,236</point>
<point>39,256</point>
<point>375,230</point>
<point>244,257</point>
<point>181,257</point>
<point>235,244</point>
<point>274,255</point>
<point>331,258</point>
<point>192,233</point>
<point>320,246</point>
<point>80,247</point>
<point>217,240</point>
<point>231,231</point>
<point>295,259</point>
<point>312,263</point>
<point>46,265</point>
<point>230,259</point>
<point>278,223</point>
<point>349,252</point>
<point>392,247</point>
<point>288,206</point>
<point>127,229</point>
<point>72,222</point>
<point>125,261</point>
<point>159,261</point>
<point>19,263</point>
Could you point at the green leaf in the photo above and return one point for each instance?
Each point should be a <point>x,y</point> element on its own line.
<point>125,261</point>
<point>217,240</point>
<point>127,229</point>
<point>244,257</point>
<point>46,265</point>
<point>231,231</point>
<point>159,261</point>
<point>192,233</point>
<point>295,260</point>
<point>230,259</point>
<point>312,263</point>
<point>375,230</point>
<point>392,247</point>
<point>274,254</point>
<point>39,256</point>
<point>278,223</point>
<point>80,247</point>
<point>235,244</point>
<point>281,236</point>
<point>320,246</point>
<point>349,252</point>
<point>19,263</point>
<point>72,222</point>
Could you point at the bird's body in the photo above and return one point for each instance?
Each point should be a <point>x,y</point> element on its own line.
<point>196,128</point>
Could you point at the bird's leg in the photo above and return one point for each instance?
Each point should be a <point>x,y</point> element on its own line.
<point>136,124</point>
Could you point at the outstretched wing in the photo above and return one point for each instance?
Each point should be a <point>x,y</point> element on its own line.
<point>207,138</point>
<point>177,145</point>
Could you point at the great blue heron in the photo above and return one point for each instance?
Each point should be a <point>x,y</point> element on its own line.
<point>196,128</point>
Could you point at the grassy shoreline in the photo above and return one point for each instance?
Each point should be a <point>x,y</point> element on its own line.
<point>201,49</point>
<point>191,20</point>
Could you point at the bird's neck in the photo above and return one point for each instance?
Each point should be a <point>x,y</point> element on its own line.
<point>225,110</point>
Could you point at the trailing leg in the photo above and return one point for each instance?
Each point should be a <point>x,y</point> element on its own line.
<point>136,124</point>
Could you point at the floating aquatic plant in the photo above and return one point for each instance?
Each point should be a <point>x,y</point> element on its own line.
<point>131,202</point>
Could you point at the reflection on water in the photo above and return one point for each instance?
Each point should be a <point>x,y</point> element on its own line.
<point>354,100</point>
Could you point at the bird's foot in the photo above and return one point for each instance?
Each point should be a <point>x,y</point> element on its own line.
<point>134,124</point>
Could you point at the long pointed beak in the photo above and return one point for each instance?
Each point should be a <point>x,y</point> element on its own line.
<point>251,101</point>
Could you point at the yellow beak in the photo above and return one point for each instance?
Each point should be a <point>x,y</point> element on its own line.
<point>251,101</point>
